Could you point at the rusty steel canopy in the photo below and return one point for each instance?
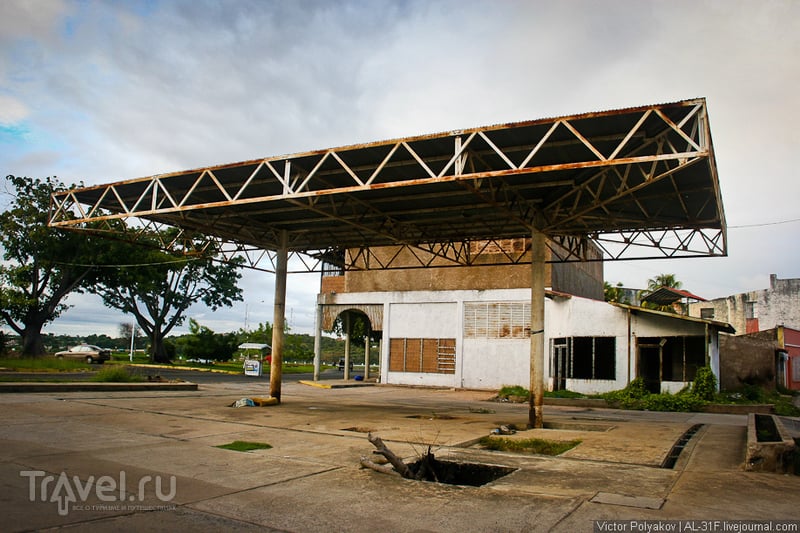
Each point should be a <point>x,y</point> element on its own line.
<point>638,182</point>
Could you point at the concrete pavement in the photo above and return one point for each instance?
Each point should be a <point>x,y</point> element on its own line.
<point>134,461</point>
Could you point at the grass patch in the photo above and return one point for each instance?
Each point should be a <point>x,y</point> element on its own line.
<point>536,446</point>
<point>518,393</point>
<point>116,374</point>
<point>563,394</point>
<point>513,390</point>
<point>244,446</point>
<point>43,364</point>
<point>785,407</point>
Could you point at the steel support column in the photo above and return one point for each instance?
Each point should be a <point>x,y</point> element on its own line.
<point>279,317</point>
<point>317,341</point>
<point>366,354</point>
<point>347,325</point>
<point>535,419</point>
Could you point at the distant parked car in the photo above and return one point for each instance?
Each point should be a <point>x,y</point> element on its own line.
<point>87,352</point>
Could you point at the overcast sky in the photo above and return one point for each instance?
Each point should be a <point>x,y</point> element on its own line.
<point>96,92</point>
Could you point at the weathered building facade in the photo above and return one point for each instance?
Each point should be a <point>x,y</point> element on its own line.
<point>771,357</point>
<point>469,327</point>
<point>749,312</point>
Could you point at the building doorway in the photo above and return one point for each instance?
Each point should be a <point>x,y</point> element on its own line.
<point>649,363</point>
<point>560,362</point>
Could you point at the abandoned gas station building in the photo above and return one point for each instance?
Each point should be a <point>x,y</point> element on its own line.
<point>469,327</point>
<point>635,183</point>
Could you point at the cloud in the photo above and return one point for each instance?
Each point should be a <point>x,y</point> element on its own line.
<point>30,19</point>
<point>12,110</point>
<point>104,91</point>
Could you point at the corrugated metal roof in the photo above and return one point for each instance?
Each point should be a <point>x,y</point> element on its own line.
<point>669,295</point>
<point>721,326</point>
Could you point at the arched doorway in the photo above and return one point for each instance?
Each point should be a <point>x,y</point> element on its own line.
<point>361,326</point>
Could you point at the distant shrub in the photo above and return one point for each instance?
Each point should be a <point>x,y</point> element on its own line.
<point>115,374</point>
<point>636,396</point>
<point>705,384</point>
<point>513,391</point>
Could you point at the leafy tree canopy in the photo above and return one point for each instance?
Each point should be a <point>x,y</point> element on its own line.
<point>655,283</point>
<point>157,288</point>
<point>614,293</point>
<point>663,280</point>
<point>203,343</point>
<point>42,265</point>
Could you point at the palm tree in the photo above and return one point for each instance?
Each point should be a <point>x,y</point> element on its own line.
<point>663,280</point>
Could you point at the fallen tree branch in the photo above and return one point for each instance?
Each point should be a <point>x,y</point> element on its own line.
<point>399,466</point>
<point>383,469</point>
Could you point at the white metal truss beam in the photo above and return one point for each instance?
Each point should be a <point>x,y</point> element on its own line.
<point>638,183</point>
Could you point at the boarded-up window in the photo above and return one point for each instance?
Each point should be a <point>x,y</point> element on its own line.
<point>497,320</point>
<point>434,356</point>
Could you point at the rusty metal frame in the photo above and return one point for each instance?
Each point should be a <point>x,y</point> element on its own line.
<point>637,183</point>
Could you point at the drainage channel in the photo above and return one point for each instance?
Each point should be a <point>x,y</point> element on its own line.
<point>678,447</point>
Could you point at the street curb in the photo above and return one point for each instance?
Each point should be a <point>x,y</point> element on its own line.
<point>94,387</point>
<point>340,385</point>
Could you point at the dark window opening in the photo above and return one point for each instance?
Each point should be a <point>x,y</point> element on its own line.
<point>584,358</point>
<point>680,356</point>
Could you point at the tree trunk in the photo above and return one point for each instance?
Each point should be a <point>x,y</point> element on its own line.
<point>159,352</point>
<point>32,343</point>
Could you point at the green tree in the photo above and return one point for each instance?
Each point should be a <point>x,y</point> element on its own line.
<point>614,293</point>
<point>203,343</point>
<point>261,335</point>
<point>42,265</point>
<point>663,280</point>
<point>159,289</point>
<point>655,283</point>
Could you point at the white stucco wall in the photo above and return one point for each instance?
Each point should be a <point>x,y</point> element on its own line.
<point>491,363</point>
<point>580,317</point>
<point>429,320</point>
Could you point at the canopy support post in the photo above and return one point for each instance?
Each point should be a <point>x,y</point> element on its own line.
<point>317,341</point>
<point>535,419</point>
<point>279,317</point>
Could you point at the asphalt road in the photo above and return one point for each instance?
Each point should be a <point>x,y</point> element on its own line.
<point>200,376</point>
<point>195,376</point>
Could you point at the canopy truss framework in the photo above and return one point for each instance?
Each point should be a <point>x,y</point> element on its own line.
<point>639,183</point>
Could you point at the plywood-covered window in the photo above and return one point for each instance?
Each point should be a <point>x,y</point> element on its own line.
<point>497,320</point>
<point>436,356</point>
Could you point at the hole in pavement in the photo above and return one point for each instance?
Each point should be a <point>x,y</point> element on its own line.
<point>452,473</point>
<point>679,445</point>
